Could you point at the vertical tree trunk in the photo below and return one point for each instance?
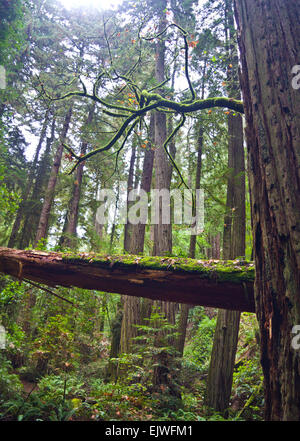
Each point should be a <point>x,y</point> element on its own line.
<point>128,227</point>
<point>113,228</point>
<point>269,41</point>
<point>162,232</point>
<point>220,374</point>
<point>98,228</point>
<point>25,194</point>
<point>131,311</point>
<point>49,196</point>
<point>34,210</point>
<point>112,368</point>
<point>184,309</point>
<point>69,231</point>
<point>138,230</point>
<point>135,308</point>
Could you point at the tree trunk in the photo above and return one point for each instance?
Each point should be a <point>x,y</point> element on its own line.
<point>49,196</point>
<point>134,311</point>
<point>34,210</point>
<point>113,228</point>
<point>220,374</point>
<point>269,41</point>
<point>68,238</point>
<point>128,227</point>
<point>162,232</point>
<point>184,309</point>
<point>25,194</point>
<point>138,230</point>
<point>112,368</point>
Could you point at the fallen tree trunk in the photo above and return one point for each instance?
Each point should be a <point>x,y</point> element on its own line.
<point>214,283</point>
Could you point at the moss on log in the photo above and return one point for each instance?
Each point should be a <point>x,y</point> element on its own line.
<point>215,283</point>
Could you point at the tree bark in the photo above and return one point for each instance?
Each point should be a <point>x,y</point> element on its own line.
<point>220,374</point>
<point>269,41</point>
<point>138,230</point>
<point>223,284</point>
<point>134,311</point>
<point>112,368</point>
<point>32,170</point>
<point>128,227</point>
<point>34,210</point>
<point>184,309</point>
<point>69,232</point>
<point>49,196</point>
<point>162,232</point>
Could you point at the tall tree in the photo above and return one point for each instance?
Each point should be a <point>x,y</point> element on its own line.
<point>42,229</point>
<point>269,42</point>
<point>221,367</point>
<point>34,201</point>
<point>162,232</point>
<point>134,311</point>
<point>69,231</point>
<point>28,187</point>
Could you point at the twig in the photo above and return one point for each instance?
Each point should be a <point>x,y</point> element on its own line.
<point>50,292</point>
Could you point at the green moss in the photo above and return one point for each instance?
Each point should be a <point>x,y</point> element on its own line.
<point>233,271</point>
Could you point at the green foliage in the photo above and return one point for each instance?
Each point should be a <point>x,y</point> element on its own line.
<point>55,388</point>
<point>247,377</point>
<point>199,348</point>
<point>54,348</point>
<point>10,384</point>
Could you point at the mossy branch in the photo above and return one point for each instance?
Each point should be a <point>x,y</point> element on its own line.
<point>146,100</point>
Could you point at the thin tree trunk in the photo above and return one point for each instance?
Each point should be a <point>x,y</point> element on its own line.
<point>69,231</point>
<point>31,221</point>
<point>138,230</point>
<point>42,229</point>
<point>128,226</point>
<point>112,368</point>
<point>113,228</point>
<point>184,309</point>
<point>25,194</point>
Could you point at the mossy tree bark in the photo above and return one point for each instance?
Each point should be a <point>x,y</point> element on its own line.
<point>269,41</point>
<point>219,284</point>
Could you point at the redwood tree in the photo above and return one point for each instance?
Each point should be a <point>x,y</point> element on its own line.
<point>221,367</point>
<point>269,42</point>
